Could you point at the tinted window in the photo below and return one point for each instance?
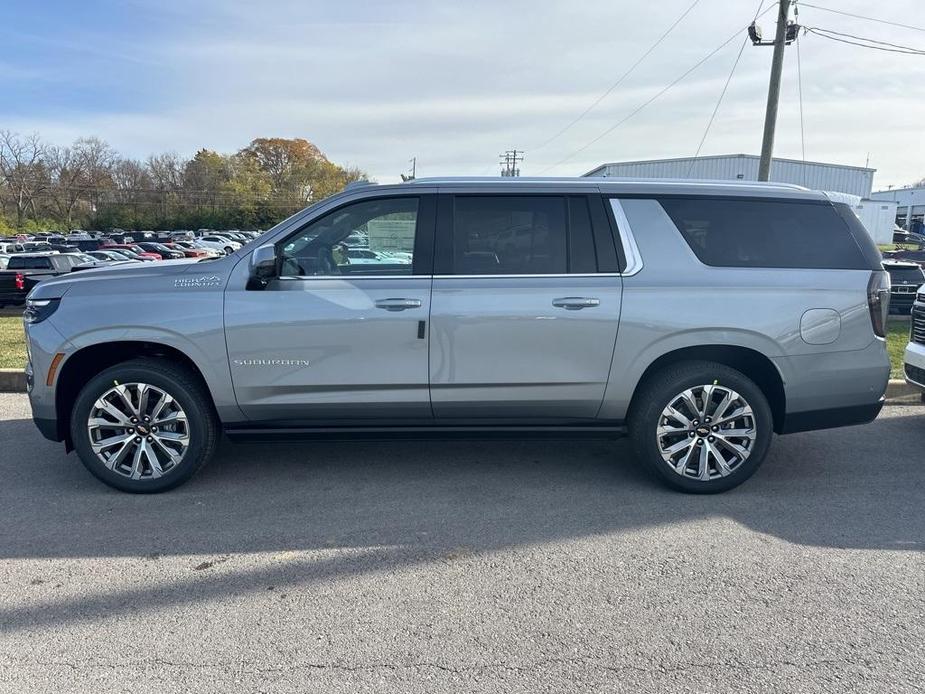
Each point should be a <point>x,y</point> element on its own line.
<point>728,232</point>
<point>508,235</point>
<point>906,274</point>
<point>29,263</point>
<point>373,237</point>
<point>581,258</point>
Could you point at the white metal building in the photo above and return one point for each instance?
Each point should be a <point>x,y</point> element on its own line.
<point>855,180</point>
<point>910,205</point>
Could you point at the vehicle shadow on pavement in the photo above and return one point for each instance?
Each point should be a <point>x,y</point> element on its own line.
<point>380,506</point>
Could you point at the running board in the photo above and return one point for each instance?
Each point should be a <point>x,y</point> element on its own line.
<point>255,433</point>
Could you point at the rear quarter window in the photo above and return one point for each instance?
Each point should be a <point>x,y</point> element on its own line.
<point>729,232</point>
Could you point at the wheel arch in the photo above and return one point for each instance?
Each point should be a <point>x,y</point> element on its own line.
<point>747,361</point>
<point>87,362</point>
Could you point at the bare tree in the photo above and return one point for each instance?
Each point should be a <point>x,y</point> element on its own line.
<point>67,181</point>
<point>22,170</point>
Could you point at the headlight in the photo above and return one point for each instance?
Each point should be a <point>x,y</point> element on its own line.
<point>38,310</point>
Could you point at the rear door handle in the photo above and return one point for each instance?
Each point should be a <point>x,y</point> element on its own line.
<point>574,303</point>
<point>398,304</point>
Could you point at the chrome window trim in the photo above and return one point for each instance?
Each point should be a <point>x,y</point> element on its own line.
<point>444,277</point>
<point>352,277</point>
<point>551,275</point>
<point>627,240</point>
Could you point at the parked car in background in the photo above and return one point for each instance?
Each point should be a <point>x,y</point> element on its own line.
<point>219,243</point>
<point>37,247</point>
<point>115,256</point>
<point>24,270</point>
<point>190,252</point>
<point>212,252</point>
<point>162,250</point>
<point>146,258</point>
<point>914,357</point>
<point>905,280</point>
<point>134,248</point>
<point>640,307</point>
<point>904,237</point>
<point>89,262</point>
<point>4,259</point>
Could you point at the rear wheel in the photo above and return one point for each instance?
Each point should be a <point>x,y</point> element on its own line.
<point>229,250</point>
<point>701,427</point>
<point>145,425</point>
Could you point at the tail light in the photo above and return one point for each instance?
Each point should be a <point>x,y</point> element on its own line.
<point>20,281</point>
<point>878,301</point>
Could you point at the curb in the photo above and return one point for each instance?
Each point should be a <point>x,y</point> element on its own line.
<point>12,381</point>
<point>898,392</point>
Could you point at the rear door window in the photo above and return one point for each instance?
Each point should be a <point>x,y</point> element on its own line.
<point>730,232</point>
<point>510,235</point>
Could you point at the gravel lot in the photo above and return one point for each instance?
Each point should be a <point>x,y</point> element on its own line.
<point>466,566</point>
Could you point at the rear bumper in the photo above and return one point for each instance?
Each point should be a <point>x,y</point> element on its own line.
<point>13,298</point>
<point>795,422</point>
<point>834,389</point>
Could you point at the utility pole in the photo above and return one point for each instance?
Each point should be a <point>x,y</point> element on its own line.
<point>509,162</point>
<point>414,170</point>
<point>770,116</point>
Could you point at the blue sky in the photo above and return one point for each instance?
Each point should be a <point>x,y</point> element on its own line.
<point>374,83</point>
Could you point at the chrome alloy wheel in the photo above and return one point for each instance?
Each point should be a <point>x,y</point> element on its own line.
<point>706,432</point>
<point>138,431</point>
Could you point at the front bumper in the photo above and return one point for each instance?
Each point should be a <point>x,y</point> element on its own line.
<point>43,342</point>
<point>914,364</point>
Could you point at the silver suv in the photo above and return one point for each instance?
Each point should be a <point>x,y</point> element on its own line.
<point>700,318</point>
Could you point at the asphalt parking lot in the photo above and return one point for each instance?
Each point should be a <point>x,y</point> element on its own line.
<point>467,566</point>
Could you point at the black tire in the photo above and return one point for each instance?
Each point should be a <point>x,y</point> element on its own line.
<point>229,250</point>
<point>661,389</point>
<point>180,384</point>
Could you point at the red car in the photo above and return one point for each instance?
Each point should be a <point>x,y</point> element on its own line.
<point>137,250</point>
<point>188,252</point>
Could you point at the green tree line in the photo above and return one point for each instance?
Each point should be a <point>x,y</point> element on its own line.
<point>88,185</point>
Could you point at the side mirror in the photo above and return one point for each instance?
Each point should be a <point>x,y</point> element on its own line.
<point>263,266</point>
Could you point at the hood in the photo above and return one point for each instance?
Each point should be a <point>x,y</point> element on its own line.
<point>56,287</point>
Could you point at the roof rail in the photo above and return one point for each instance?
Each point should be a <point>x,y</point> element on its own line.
<point>360,184</point>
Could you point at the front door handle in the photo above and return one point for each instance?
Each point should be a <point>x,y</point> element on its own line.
<point>575,303</point>
<point>398,304</point>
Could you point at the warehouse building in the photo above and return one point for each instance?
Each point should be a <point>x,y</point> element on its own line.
<point>910,206</point>
<point>853,180</point>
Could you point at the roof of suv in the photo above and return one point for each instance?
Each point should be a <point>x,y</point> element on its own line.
<point>664,186</point>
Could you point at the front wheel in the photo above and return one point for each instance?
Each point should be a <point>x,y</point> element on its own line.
<point>701,427</point>
<point>229,250</point>
<point>146,425</point>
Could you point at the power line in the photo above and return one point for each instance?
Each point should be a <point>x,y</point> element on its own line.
<point>860,16</point>
<point>864,42</point>
<point>718,102</point>
<point>722,94</point>
<point>654,98</point>
<point>622,77</point>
